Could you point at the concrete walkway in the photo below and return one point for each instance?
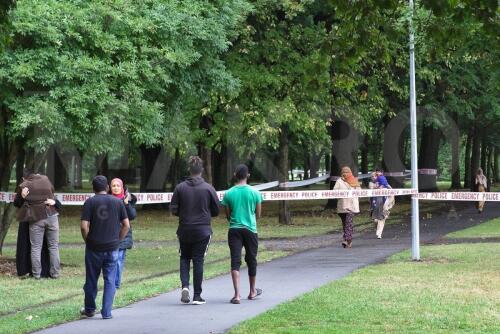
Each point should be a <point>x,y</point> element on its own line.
<point>281,280</point>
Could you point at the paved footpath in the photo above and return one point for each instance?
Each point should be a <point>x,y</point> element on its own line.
<point>281,280</point>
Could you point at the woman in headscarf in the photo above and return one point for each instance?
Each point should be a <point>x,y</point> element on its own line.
<point>482,185</point>
<point>347,207</point>
<point>119,191</point>
<point>380,205</point>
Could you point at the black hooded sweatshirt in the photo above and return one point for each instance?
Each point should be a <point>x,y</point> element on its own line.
<point>195,202</point>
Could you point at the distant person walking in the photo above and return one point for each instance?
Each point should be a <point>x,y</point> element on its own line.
<point>195,202</point>
<point>380,205</point>
<point>347,207</point>
<point>36,201</point>
<point>104,223</point>
<point>119,191</point>
<point>243,208</point>
<point>482,186</point>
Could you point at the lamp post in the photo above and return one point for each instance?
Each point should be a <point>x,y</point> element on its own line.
<point>415,219</point>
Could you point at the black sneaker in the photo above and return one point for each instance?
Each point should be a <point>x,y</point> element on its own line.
<point>85,313</point>
<point>185,295</point>
<point>197,300</point>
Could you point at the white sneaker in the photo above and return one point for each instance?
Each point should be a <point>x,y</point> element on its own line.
<point>185,296</point>
<point>379,237</point>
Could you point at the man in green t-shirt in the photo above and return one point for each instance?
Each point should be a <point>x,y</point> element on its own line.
<point>243,207</point>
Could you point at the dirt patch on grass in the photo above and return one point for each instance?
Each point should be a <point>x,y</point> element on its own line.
<point>7,266</point>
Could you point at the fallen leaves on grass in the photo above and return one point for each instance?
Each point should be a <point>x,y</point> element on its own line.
<point>7,266</point>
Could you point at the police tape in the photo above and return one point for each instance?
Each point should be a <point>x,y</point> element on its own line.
<point>460,196</point>
<point>159,198</point>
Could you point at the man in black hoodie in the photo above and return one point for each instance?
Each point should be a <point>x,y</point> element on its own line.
<point>195,202</point>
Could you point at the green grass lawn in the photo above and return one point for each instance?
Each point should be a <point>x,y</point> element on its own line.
<point>148,272</point>
<point>154,226</point>
<point>151,267</point>
<point>455,289</point>
<point>308,218</point>
<point>490,229</point>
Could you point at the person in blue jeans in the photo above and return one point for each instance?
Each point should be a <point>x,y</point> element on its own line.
<point>104,223</point>
<point>119,191</point>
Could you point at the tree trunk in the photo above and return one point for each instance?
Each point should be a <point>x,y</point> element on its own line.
<point>314,164</point>
<point>155,164</point>
<point>307,163</point>
<point>364,154</point>
<point>467,160</point>
<point>221,173</point>
<point>428,157</point>
<point>204,150</point>
<point>284,209</point>
<point>344,141</point>
<point>8,151</point>
<point>328,162</point>
<point>455,159</point>
<point>496,168</point>
<point>206,156</point>
<point>175,170</point>
<point>489,165</point>
<point>484,152</point>
<point>101,165</point>
<point>56,171</point>
<point>7,158</point>
<point>475,158</point>
<point>21,155</point>
<point>29,161</point>
<point>79,170</point>
<point>393,148</point>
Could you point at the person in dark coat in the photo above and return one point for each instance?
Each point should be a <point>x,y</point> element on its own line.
<point>119,191</point>
<point>23,245</point>
<point>195,202</point>
<point>36,202</point>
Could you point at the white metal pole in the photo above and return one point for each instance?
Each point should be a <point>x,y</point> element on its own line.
<point>415,221</point>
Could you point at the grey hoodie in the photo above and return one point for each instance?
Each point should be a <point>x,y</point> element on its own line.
<point>195,202</point>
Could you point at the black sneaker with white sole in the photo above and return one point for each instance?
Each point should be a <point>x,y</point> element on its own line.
<point>185,296</point>
<point>197,300</point>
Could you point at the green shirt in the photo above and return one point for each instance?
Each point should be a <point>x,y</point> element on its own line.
<point>242,200</point>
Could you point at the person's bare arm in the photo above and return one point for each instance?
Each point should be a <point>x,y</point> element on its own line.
<point>125,227</point>
<point>228,212</point>
<point>258,210</point>
<point>84,227</point>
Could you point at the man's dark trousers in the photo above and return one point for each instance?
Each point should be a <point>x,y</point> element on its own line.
<point>193,251</point>
<point>94,263</point>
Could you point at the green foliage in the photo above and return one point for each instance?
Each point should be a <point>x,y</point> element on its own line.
<point>86,72</point>
<point>282,62</point>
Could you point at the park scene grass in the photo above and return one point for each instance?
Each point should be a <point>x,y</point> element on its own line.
<point>454,289</point>
<point>490,229</point>
<point>26,304</point>
<point>152,266</point>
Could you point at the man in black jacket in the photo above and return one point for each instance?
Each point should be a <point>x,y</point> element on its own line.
<point>195,202</point>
